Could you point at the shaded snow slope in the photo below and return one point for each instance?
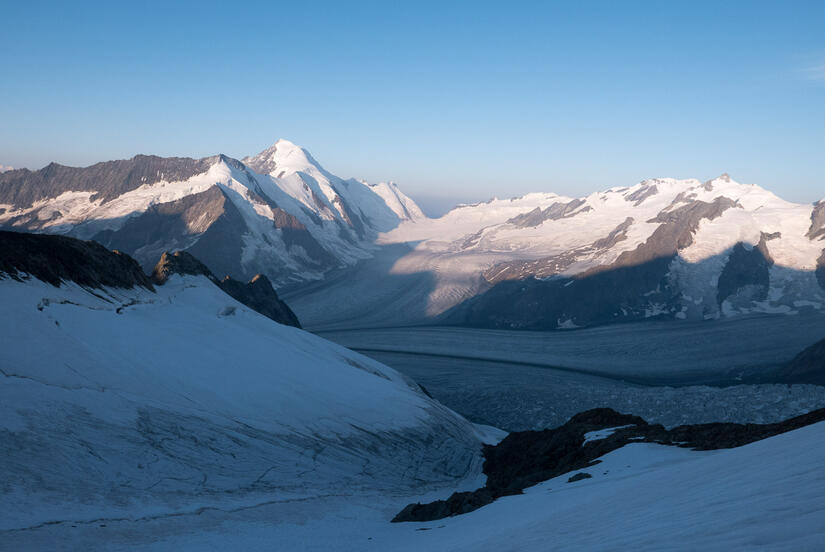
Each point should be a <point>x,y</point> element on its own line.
<point>128,403</point>
<point>764,496</point>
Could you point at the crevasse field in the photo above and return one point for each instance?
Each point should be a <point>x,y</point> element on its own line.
<point>674,372</point>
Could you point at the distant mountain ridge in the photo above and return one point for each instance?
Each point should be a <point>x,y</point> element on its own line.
<point>663,248</point>
<point>278,213</point>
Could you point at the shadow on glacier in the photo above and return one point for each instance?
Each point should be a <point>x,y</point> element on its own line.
<point>366,295</point>
<point>664,288</point>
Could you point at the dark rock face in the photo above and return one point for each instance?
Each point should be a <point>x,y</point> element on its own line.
<point>555,211</point>
<point>108,180</point>
<point>179,262</point>
<point>164,226</point>
<point>675,232</point>
<point>525,458</point>
<point>258,294</point>
<point>808,366</point>
<point>56,259</point>
<point>549,266</point>
<point>221,246</point>
<point>302,238</point>
<point>579,476</point>
<point>642,194</point>
<point>817,229</point>
<point>746,269</point>
<point>615,236</point>
<point>630,288</point>
<point>284,220</point>
<point>820,270</point>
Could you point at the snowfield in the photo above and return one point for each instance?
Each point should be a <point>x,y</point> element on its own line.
<point>127,403</point>
<point>762,496</point>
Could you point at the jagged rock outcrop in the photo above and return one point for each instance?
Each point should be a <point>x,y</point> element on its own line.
<point>525,458</point>
<point>746,271</point>
<point>179,262</point>
<point>58,259</point>
<point>820,270</point>
<point>553,212</point>
<point>257,294</point>
<point>817,229</point>
<point>642,194</point>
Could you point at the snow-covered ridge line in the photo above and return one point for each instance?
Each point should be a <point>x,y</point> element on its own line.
<point>703,233</point>
<point>278,213</point>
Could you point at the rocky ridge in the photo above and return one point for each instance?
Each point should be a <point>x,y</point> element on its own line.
<point>525,458</point>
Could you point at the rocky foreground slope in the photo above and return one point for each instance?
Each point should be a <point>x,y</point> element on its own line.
<point>525,458</point>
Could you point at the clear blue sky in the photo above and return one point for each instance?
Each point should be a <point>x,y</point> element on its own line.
<point>460,100</point>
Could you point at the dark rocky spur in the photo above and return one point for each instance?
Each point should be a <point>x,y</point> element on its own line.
<point>257,294</point>
<point>60,259</point>
<point>525,458</point>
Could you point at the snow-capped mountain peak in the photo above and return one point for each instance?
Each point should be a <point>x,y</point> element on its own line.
<point>279,212</point>
<point>283,158</point>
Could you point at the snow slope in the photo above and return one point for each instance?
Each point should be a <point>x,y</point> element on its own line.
<point>763,496</point>
<point>130,403</point>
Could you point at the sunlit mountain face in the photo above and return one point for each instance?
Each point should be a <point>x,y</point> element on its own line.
<point>663,248</point>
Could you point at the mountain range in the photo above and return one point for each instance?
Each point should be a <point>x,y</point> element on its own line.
<point>185,410</point>
<point>278,213</point>
<point>353,253</point>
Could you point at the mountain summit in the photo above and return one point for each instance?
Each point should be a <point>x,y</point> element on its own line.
<point>278,213</point>
<point>282,158</point>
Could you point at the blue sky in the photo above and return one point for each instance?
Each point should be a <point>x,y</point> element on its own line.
<point>461,101</point>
